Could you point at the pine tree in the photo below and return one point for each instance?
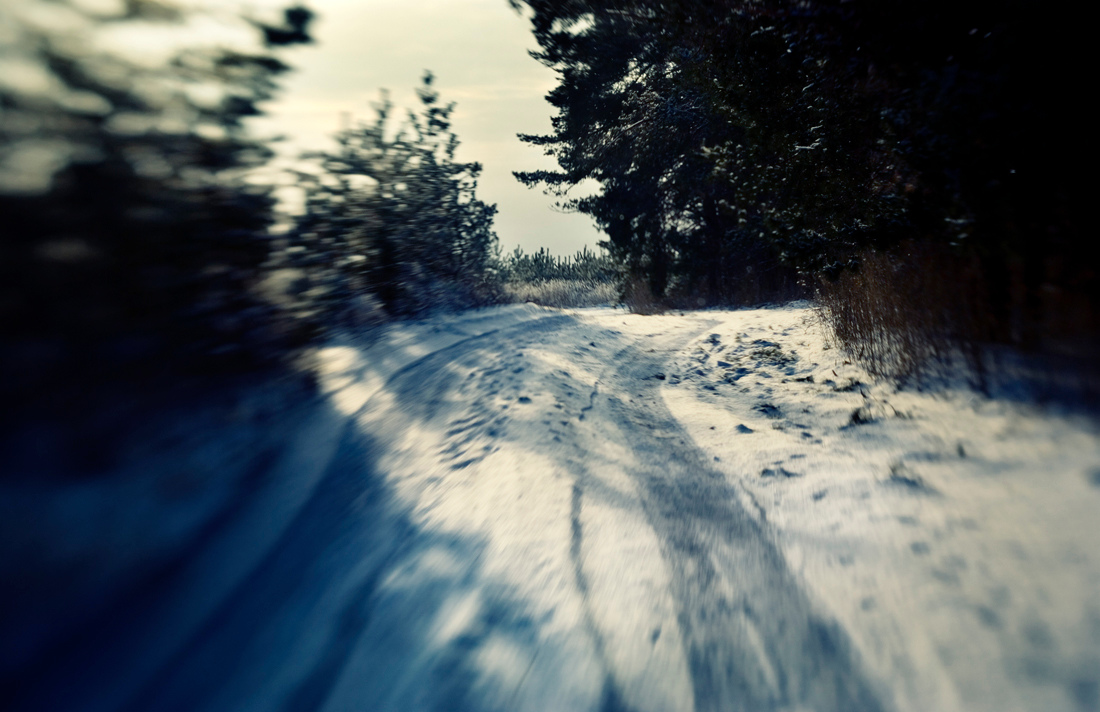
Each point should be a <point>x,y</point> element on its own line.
<point>693,117</point>
<point>396,216</point>
<point>732,138</point>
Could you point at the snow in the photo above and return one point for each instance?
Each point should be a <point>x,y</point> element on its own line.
<point>954,538</point>
<point>525,508</point>
<point>966,581</point>
<point>471,467</point>
<point>351,374</point>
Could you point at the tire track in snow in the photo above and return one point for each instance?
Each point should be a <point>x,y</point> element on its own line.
<point>440,377</point>
<point>750,634</point>
<point>750,637</point>
<point>611,700</point>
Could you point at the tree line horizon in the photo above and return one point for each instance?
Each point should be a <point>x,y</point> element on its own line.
<point>745,151</point>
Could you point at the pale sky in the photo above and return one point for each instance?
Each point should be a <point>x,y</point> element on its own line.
<point>477,50</point>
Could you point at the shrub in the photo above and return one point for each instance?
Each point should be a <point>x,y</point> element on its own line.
<point>562,293</point>
<point>902,313</point>
<point>639,298</point>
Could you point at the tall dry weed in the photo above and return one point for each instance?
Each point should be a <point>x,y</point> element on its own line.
<point>639,298</point>
<point>904,313</point>
<point>563,293</point>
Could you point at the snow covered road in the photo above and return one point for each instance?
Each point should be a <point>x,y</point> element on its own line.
<point>553,443</point>
<point>525,509</point>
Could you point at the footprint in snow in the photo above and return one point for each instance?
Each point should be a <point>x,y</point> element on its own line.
<point>768,410</point>
<point>903,477</point>
<point>779,472</point>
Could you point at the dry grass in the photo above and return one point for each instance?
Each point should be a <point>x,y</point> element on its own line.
<point>904,313</point>
<point>639,298</point>
<point>563,293</point>
<point>924,312</point>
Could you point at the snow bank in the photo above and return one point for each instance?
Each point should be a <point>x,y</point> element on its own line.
<point>202,495</point>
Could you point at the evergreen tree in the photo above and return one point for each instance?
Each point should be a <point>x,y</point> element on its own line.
<point>396,216</point>
<point>696,119</point>
<point>541,266</point>
<point>766,135</point>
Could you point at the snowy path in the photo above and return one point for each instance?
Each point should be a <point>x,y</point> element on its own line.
<point>750,634</point>
<point>735,623</point>
<point>525,509</point>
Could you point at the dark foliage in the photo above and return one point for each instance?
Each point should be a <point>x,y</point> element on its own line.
<point>131,241</point>
<point>760,142</point>
<point>542,266</point>
<point>714,157</point>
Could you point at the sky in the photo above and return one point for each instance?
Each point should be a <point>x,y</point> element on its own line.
<point>477,50</point>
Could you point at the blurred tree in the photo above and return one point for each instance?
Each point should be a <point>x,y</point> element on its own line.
<point>131,237</point>
<point>395,217</point>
